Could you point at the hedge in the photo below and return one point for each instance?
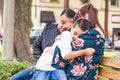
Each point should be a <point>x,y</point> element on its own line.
<point>9,68</point>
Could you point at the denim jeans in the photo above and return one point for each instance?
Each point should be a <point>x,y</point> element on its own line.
<point>49,75</point>
<point>23,75</point>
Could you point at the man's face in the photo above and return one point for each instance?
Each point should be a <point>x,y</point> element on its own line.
<point>64,23</point>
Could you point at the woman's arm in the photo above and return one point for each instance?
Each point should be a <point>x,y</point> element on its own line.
<point>74,54</point>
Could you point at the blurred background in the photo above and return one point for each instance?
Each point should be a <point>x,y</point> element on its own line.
<point>109,15</point>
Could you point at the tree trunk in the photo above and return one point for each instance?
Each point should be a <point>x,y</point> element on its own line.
<point>22,25</point>
<point>8,30</point>
<point>1,16</point>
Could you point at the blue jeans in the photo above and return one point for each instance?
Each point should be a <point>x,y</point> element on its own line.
<point>49,75</point>
<point>23,75</point>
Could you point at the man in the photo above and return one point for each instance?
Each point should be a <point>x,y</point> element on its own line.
<point>47,39</point>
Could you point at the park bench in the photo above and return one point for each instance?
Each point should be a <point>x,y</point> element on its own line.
<point>109,68</point>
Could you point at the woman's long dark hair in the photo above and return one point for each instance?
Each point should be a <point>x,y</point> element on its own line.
<point>93,15</point>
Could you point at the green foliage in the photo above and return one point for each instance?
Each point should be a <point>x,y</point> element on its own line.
<point>9,68</point>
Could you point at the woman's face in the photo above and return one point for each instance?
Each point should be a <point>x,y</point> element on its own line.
<point>76,31</point>
<point>86,16</point>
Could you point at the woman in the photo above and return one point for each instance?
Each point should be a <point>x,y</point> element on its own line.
<point>89,12</point>
<point>80,66</point>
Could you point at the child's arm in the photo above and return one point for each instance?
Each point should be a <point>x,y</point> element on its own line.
<point>74,54</point>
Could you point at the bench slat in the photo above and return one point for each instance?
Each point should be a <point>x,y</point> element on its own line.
<point>112,62</point>
<point>113,72</point>
<point>110,73</point>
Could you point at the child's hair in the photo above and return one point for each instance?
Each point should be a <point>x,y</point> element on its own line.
<point>83,24</point>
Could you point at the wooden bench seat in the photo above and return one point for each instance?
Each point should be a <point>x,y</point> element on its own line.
<point>109,68</point>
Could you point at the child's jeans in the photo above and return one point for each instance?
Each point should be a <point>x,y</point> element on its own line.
<point>49,75</point>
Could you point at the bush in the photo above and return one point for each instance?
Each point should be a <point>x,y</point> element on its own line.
<point>9,68</point>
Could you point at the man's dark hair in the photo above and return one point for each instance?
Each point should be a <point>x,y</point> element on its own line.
<point>68,12</point>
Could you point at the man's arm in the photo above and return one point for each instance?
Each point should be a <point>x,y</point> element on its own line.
<point>37,45</point>
<point>44,40</point>
<point>37,49</point>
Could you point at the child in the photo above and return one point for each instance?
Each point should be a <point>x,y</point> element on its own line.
<point>43,67</point>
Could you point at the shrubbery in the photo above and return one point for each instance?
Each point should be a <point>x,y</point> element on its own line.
<point>9,68</point>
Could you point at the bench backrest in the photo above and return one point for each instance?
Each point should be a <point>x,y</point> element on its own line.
<point>110,68</point>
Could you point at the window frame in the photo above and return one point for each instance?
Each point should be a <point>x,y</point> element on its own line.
<point>116,3</point>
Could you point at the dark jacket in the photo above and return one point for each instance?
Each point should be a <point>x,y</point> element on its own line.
<point>46,39</point>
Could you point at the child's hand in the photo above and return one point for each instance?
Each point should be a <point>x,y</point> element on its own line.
<point>58,38</point>
<point>89,51</point>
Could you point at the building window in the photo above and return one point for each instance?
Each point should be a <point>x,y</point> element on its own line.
<point>54,0</point>
<point>43,0</point>
<point>84,1</point>
<point>115,18</point>
<point>114,2</point>
<point>47,17</point>
<point>49,0</point>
